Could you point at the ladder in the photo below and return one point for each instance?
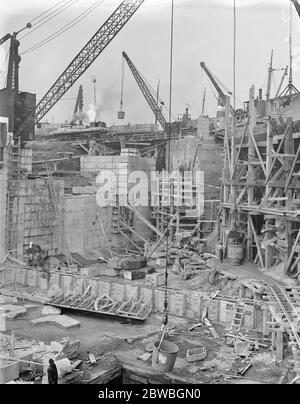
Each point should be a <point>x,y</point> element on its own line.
<point>58,215</point>
<point>238,318</point>
<point>13,198</point>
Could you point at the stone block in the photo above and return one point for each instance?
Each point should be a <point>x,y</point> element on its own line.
<point>21,275</point>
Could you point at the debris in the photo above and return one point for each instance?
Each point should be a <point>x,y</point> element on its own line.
<point>92,358</point>
<point>194,326</point>
<point>145,356</point>
<point>196,354</point>
<point>207,366</point>
<point>244,369</point>
<point>76,364</point>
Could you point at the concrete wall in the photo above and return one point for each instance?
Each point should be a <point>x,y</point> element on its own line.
<point>182,303</point>
<point>122,166</point>
<point>208,159</point>
<point>37,220</point>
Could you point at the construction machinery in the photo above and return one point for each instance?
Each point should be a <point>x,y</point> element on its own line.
<point>14,104</point>
<point>78,107</point>
<point>152,102</point>
<point>214,81</point>
<point>82,61</point>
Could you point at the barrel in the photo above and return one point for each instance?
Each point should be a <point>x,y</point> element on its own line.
<point>235,252</point>
<point>163,359</point>
<point>121,114</point>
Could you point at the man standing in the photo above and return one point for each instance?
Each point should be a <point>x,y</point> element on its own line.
<point>52,372</point>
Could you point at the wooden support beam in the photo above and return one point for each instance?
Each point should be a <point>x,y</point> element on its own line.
<point>292,253</point>
<point>256,242</point>
<point>292,170</point>
<point>278,150</point>
<point>258,153</point>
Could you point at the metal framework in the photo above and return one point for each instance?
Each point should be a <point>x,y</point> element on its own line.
<point>85,58</point>
<point>147,94</point>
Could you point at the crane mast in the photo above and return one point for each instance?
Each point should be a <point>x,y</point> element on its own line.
<point>147,94</point>
<point>84,59</point>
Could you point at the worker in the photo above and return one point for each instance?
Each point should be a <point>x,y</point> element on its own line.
<point>52,372</point>
<point>221,252</point>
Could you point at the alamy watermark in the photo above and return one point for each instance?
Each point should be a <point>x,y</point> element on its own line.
<point>154,189</point>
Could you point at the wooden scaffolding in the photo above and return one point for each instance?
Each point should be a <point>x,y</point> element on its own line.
<point>261,188</point>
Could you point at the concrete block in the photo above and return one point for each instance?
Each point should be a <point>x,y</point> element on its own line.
<point>61,321</point>
<point>193,305</point>
<point>134,274</point>
<point>147,294</point>
<point>67,283</point>
<point>226,313</point>
<point>132,291</point>
<point>104,288</point>
<point>8,276</point>
<point>43,281</point>
<point>213,310</point>
<point>32,278</point>
<point>117,292</point>
<point>55,279</point>
<point>248,321</point>
<point>94,287</point>
<point>156,279</point>
<point>78,286</point>
<point>9,370</point>
<point>177,304</point>
<point>21,275</point>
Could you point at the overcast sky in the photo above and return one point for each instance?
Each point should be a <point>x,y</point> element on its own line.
<point>203,31</point>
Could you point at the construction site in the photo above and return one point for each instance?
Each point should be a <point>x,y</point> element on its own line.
<point>165,252</point>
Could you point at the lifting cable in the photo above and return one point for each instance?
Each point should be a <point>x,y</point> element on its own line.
<point>65,28</point>
<point>122,84</point>
<point>165,313</point>
<point>50,16</point>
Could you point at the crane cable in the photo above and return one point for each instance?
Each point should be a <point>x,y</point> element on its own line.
<point>65,28</point>
<point>47,11</point>
<point>50,16</point>
<point>166,304</point>
<point>122,84</point>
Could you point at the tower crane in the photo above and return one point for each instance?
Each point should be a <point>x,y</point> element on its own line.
<point>153,104</point>
<point>222,96</point>
<point>82,61</point>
